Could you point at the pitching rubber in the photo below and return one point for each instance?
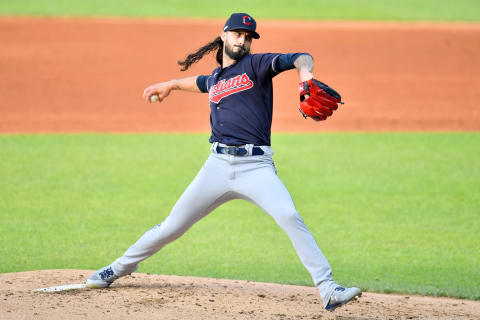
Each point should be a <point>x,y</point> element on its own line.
<point>62,288</point>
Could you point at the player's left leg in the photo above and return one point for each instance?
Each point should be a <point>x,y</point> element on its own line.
<point>258,183</point>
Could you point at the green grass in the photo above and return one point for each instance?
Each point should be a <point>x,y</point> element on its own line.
<point>392,212</point>
<point>399,10</point>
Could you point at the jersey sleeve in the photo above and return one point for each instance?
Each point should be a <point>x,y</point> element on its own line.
<point>284,62</point>
<point>262,64</point>
<point>271,64</point>
<point>202,83</point>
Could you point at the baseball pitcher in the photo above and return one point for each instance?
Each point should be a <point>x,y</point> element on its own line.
<point>240,165</point>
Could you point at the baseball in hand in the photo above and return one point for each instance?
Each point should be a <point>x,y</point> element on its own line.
<point>154,98</point>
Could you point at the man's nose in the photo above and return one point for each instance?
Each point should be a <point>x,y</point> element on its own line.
<point>241,39</point>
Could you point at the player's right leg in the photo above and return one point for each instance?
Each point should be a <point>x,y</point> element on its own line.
<point>208,190</point>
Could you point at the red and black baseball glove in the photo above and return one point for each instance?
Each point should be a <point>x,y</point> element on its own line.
<point>318,100</point>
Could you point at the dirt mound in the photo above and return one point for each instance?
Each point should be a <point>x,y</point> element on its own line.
<point>145,296</point>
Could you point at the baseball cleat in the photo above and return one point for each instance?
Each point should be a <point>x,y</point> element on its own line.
<point>341,296</point>
<point>102,278</point>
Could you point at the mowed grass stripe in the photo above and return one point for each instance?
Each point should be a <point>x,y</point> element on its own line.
<point>406,10</point>
<point>392,212</point>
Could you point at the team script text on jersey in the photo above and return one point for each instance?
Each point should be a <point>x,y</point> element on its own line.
<point>233,85</point>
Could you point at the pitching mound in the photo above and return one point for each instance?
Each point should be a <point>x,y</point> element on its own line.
<point>144,296</point>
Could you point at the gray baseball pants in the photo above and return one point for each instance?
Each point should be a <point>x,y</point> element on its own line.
<point>224,178</point>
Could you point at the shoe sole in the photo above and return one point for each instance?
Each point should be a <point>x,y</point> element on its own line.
<point>97,284</point>
<point>332,308</point>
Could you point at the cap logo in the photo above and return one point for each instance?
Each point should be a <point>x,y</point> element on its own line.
<point>247,20</point>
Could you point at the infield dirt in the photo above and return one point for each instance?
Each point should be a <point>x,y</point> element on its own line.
<point>88,75</point>
<point>143,296</point>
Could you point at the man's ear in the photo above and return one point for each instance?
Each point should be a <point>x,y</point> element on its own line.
<point>223,36</point>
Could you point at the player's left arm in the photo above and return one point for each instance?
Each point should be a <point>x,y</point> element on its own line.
<point>303,62</point>
<point>317,100</point>
<point>304,65</point>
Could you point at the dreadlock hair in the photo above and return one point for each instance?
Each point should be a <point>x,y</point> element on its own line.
<point>216,44</point>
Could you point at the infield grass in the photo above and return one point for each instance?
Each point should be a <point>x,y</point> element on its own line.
<point>392,212</point>
<point>398,10</point>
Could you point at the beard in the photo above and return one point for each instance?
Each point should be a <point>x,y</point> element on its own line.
<point>236,55</point>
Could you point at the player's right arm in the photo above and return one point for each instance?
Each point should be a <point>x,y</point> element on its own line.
<point>163,89</point>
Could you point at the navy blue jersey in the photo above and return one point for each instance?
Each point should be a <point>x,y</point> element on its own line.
<point>241,98</point>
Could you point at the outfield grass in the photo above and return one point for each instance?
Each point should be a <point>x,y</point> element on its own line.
<point>399,10</point>
<point>392,212</point>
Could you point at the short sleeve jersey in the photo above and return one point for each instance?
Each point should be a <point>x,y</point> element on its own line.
<point>241,100</point>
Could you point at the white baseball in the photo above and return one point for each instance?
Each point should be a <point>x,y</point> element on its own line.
<point>154,98</point>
